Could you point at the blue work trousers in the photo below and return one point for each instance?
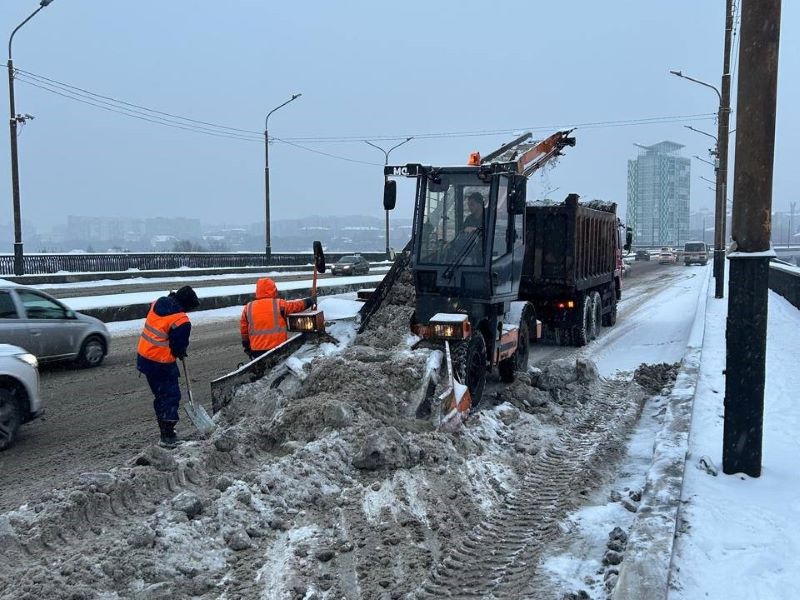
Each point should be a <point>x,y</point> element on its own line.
<point>166,395</point>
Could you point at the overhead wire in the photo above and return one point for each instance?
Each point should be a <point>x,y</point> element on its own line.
<point>167,119</point>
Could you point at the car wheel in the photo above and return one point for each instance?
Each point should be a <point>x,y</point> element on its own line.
<point>92,352</point>
<point>10,418</point>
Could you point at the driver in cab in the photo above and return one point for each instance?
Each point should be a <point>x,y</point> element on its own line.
<point>474,220</point>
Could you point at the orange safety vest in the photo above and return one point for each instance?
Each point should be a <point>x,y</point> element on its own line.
<point>154,341</point>
<point>263,322</point>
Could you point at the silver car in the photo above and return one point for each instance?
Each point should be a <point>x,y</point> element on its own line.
<point>19,391</point>
<point>49,330</point>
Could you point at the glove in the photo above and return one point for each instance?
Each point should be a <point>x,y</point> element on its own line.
<point>181,355</point>
<point>246,346</point>
<point>311,301</point>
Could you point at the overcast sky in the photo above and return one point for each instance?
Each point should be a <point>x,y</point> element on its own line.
<point>365,69</point>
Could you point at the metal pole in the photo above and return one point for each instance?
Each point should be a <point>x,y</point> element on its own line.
<point>746,329</point>
<point>267,232</point>
<point>722,149</point>
<point>19,264</point>
<point>385,178</point>
<point>792,205</point>
<point>268,236</point>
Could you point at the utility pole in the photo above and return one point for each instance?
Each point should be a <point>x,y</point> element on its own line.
<point>267,232</point>
<point>792,206</point>
<point>746,329</point>
<point>385,178</point>
<point>722,156</point>
<point>19,264</point>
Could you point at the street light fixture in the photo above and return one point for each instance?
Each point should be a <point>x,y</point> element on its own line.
<point>386,162</point>
<point>19,267</point>
<point>721,152</point>
<point>708,162</point>
<point>268,236</point>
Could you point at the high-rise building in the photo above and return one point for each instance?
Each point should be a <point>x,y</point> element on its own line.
<point>658,195</point>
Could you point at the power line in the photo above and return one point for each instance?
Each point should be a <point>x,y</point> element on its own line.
<point>61,84</point>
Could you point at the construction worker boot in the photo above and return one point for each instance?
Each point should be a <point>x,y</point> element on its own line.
<point>169,439</point>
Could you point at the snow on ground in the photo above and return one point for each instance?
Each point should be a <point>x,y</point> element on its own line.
<point>100,301</point>
<point>655,331</point>
<point>341,306</point>
<point>740,534</point>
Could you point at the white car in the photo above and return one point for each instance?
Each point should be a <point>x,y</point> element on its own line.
<point>19,391</point>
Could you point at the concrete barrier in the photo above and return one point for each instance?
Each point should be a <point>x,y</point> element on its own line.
<point>785,280</point>
<point>128,312</point>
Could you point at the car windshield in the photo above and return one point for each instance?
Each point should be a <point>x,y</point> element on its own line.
<point>454,220</point>
<point>348,260</point>
<point>698,247</point>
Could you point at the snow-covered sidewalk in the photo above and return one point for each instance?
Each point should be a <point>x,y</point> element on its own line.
<point>737,536</point>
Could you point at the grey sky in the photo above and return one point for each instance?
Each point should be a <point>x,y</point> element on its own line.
<point>365,69</point>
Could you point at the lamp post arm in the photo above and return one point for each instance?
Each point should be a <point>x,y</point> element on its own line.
<point>697,81</point>
<point>18,27</point>
<point>266,120</point>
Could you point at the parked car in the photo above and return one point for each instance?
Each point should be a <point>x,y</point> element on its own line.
<point>352,264</point>
<point>48,329</point>
<point>19,391</point>
<point>666,257</point>
<point>695,252</point>
<point>642,255</point>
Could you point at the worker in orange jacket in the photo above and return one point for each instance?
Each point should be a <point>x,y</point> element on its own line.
<point>263,322</point>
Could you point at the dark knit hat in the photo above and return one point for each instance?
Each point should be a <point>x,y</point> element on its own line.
<point>187,298</point>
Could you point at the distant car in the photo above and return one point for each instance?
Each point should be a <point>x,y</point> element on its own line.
<point>49,330</point>
<point>352,264</point>
<point>666,258</point>
<point>642,255</point>
<point>19,391</point>
<point>695,252</point>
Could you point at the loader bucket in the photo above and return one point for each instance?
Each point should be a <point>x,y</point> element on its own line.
<point>455,401</point>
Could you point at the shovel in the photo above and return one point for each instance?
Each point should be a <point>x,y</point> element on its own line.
<point>455,401</point>
<point>196,413</point>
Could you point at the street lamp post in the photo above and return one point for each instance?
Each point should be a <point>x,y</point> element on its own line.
<point>19,266</point>
<point>723,121</point>
<point>386,162</point>
<point>268,236</point>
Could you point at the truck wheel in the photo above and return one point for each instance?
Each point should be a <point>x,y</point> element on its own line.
<point>595,316</point>
<point>610,318</point>
<point>580,334</point>
<point>10,418</point>
<point>519,360</point>
<point>469,362</point>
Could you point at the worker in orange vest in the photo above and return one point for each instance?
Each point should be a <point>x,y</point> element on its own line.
<point>263,322</point>
<point>165,338</point>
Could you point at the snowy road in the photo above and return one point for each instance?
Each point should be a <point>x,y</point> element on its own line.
<point>655,315</point>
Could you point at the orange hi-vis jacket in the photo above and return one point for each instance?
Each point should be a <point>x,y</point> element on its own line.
<point>263,322</point>
<point>154,341</point>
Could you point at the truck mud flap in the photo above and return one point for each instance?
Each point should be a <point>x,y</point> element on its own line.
<point>380,293</point>
<point>224,388</point>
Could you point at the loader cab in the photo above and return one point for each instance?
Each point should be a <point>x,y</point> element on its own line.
<point>469,233</point>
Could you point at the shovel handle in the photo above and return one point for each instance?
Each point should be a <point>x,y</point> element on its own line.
<point>188,382</point>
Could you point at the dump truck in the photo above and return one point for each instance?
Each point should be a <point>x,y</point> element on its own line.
<point>572,272</point>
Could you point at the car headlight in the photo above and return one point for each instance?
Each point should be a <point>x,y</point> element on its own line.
<point>29,358</point>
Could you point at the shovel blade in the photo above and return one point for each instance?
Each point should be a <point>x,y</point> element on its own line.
<point>199,418</point>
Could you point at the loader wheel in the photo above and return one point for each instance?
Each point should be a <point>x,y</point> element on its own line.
<point>518,361</point>
<point>580,333</point>
<point>469,362</point>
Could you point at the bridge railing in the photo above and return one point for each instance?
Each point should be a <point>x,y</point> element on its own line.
<point>40,264</point>
<point>785,280</point>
